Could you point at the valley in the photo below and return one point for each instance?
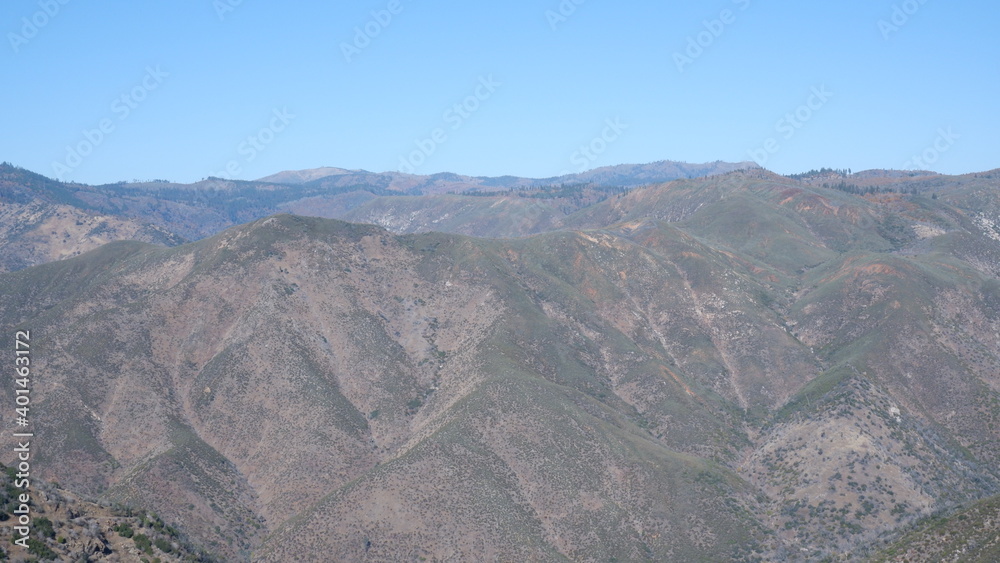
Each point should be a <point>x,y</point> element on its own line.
<point>735,366</point>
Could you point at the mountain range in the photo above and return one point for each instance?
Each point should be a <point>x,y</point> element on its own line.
<point>660,362</point>
<point>43,219</point>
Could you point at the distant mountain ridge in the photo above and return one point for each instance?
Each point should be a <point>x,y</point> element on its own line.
<point>624,175</point>
<point>43,219</point>
<point>303,176</point>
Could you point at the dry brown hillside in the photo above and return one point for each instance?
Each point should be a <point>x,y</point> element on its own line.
<point>739,368</point>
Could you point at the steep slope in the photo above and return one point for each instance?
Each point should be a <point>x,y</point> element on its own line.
<point>971,534</point>
<point>343,356</point>
<point>726,369</point>
<point>493,217</point>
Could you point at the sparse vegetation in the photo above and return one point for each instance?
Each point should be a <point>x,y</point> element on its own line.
<point>728,368</point>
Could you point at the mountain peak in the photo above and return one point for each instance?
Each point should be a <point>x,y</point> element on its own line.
<point>306,175</point>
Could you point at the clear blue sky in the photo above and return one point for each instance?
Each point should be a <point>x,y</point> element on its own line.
<point>277,72</point>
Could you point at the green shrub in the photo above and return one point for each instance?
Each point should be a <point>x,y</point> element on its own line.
<point>37,547</point>
<point>144,544</point>
<point>163,545</point>
<point>44,527</point>
<point>124,530</point>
